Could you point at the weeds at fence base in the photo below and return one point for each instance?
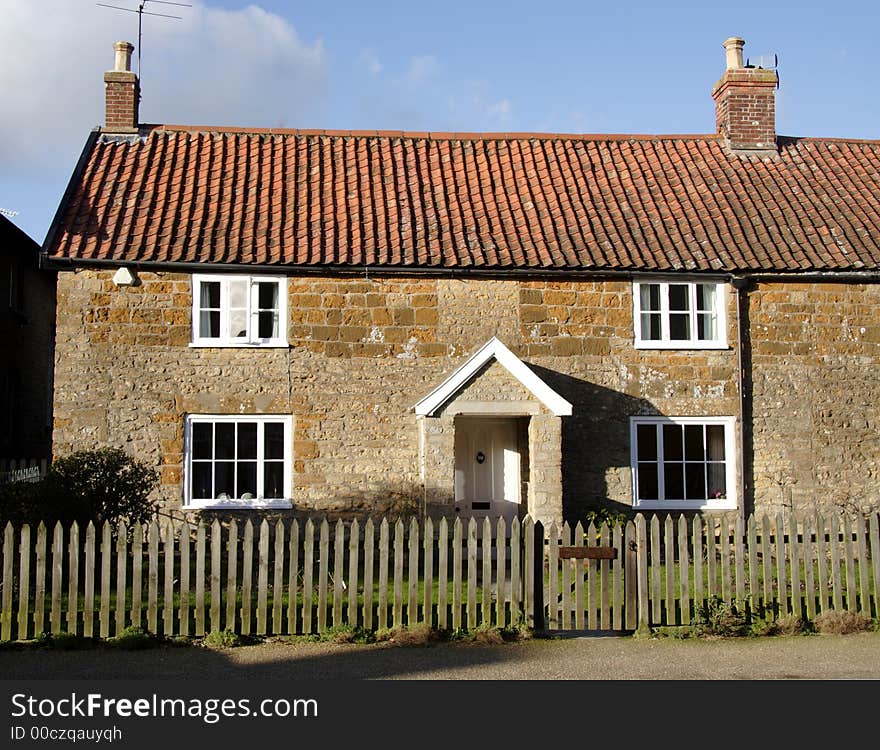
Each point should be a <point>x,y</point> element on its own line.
<point>133,638</point>
<point>220,639</point>
<point>840,623</point>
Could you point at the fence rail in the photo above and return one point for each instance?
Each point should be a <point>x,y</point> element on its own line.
<point>293,578</point>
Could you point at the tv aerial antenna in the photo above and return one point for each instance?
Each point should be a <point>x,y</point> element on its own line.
<point>141,13</point>
<point>8,212</point>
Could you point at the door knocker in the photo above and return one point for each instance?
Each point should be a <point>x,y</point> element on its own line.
<point>480,457</point>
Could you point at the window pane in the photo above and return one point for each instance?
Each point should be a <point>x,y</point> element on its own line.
<point>696,481</point>
<point>715,442</point>
<point>672,442</point>
<point>247,440</point>
<point>649,297</point>
<point>646,442</point>
<point>224,480</point>
<point>202,435</point>
<point>717,480</point>
<point>201,481</point>
<point>651,327</point>
<point>267,324</point>
<point>706,297</point>
<point>238,293</point>
<point>673,476</point>
<point>237,324</point>
<point>273,479</point>
<point>267,295</point>
<point>679,327</point>
<point>246,486</point>
<point>648,482</point>
<point>706,328</point>
<point>209,295</point>
<point>224,440</point>
<point>678,297</point>
<point>209,324</point>
<point>693,442</point>
<point>274,440</point>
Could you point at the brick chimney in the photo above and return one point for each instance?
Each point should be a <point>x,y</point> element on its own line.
<point>123,93</point>
<point>745,112</point>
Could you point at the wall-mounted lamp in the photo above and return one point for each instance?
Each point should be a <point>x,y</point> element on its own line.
<point>124,277</point>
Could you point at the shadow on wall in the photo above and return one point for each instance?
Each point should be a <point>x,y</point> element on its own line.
<point>595,444</point>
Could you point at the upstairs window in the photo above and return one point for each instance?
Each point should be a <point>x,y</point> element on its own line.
<point>679,315</point>
<point>683,462</point>
<point>238,461</point>
<point>239,311</point>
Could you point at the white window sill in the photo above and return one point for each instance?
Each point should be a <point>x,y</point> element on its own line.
<point>685,505</point>
<point>237,345</point>
<point>275,504</point>
<point>685,345</point>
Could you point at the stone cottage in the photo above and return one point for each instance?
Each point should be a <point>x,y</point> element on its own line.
<point>475,323</point>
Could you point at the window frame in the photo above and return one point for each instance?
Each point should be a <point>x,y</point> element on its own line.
<point>232,504</point>
<point>665,342</point>
<point>251,341</point>
<point>730,502</point>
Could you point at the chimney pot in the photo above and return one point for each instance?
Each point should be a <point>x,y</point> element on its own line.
<point>123,56</point>
<point>733,48</point>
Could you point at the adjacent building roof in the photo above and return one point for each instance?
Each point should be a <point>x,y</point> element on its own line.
<point>535,202</point>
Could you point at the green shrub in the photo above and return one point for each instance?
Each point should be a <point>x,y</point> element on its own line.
<point>64,641</point>
<point>132,638</point>
<point>601,516</point>
<point>222,639</point>
<point>98,485</point>
<point>346,634</point>
<point>715,617</point>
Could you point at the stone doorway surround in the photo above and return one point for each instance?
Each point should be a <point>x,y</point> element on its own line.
<point>493,382</point>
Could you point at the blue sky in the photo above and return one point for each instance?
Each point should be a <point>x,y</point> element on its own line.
<point>629,67</point>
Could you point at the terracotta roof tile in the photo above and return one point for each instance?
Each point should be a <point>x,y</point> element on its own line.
<point>486,200</point>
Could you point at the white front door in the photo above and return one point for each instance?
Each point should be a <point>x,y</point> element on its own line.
<point>487,468</point>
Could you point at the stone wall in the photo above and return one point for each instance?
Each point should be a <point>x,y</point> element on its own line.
<point>363,351</point>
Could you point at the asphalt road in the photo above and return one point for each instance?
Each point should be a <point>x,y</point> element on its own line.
<point>815,657</point>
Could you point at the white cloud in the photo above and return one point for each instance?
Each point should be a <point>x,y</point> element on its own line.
<point>370,60</point>
<point>421,69</point>
<point>214,67</point>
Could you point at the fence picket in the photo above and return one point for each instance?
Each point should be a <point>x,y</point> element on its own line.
<point>769,608</point>
<point>822,560</point>
<point>724,552</point>
<point>641,539</point>
<point>247,576</point>
<point>278,579</point>
<point>875,559</point>
<point>781,557</point>
<point>528,530</point>
<point>739,560</point>
<point>6,611</point>
<point>369,543</point>
<point>834,541</point>
<point>106,558</point>
<point>216,593</point>
<point>24,581</point>
<point>566,566</point>
<point>323,572</point>
<point>809,568</point>
<point>592,583</point>
<point>669,564</point>
<point>412,577</point>
<point>153,579</point>
<point>552,588</point>
<point>383,574</point>
<point>684,566</point>
<point>699,590</point>
<point>200,579</point>
<point>40,582</point>
<point>794,560</point>
<point>73,582</point>
<point>864,576</point>
<point>137,562</point>
<point>338,571</point>
<point>121,575</point>
<point>711,558</point>
<point>442,572</point>
<point>617,576</point>
<point>263,578</point>
<point>500,573</point>
<point>353,576</point>
<point>57,569</point>
<point>398,574</point>
<point>308,575</point>
<point>605,571</point>
<point>849,566</point>
<point>428,593</point>
<point>184,578</point>
<point>655,558</point>
<point>486,604</point>
<point>88,614</point>
<point>168,591</point>
<point>579,604</point>
<point>293,580</point>
<point>472,574</point>
<point>232,576</point>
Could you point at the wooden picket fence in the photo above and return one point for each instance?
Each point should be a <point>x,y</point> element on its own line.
<point>296,578</point>
<point>22,469</point>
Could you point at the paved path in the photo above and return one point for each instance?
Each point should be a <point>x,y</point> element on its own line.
<point>598,658</point>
